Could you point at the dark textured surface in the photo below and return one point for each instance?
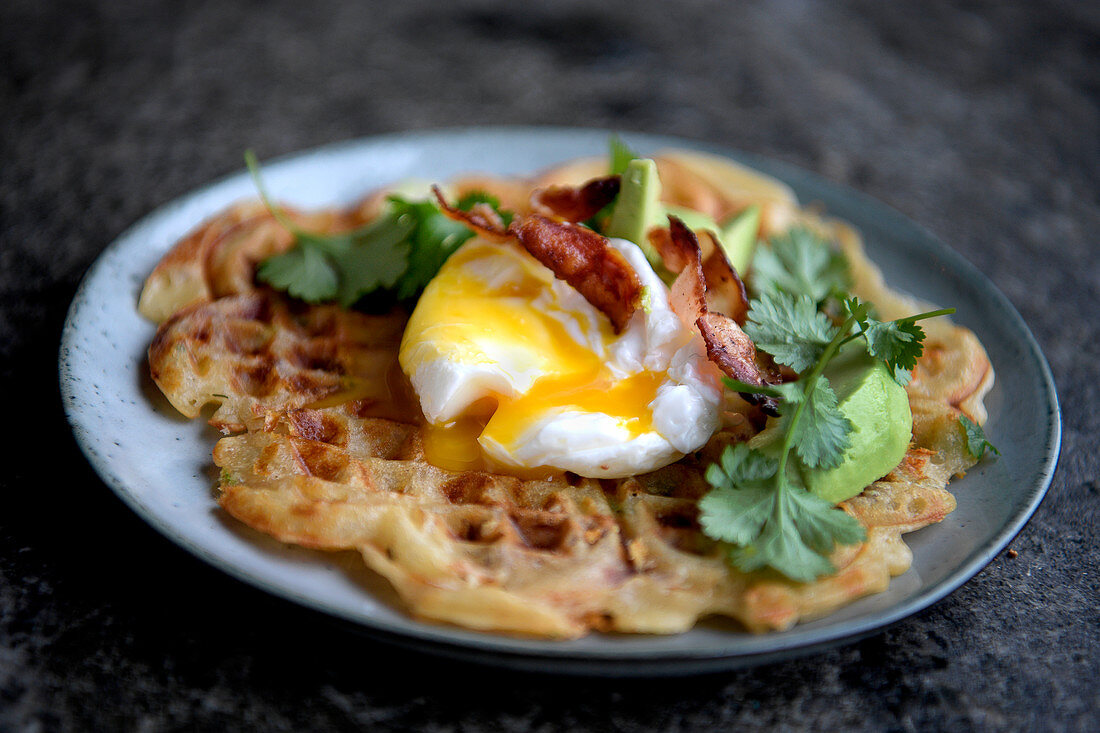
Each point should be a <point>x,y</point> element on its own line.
<point>981,124</point>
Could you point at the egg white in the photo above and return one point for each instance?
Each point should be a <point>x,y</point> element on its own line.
<point>454,370</point>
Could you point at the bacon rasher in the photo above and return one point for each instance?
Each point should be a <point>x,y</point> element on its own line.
<point>717,281</point>
<point>575,203</point>
<point>707,294</point>
<point>575,254</point>
<point>695,297</point>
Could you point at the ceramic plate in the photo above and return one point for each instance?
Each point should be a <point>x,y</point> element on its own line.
<point>160,464</point>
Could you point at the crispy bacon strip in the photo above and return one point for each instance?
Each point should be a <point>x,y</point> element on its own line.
<point>584,259</point>
<point>727,345</point>
<point>730,348</point>
<point>688,294</point>
<point>481,219</point>
<point>575,254</point>
<point>725,290</point>
<point>576,203</point>
<point>722,286</point>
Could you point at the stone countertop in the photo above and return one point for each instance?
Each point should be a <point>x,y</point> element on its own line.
<point>981,124</point>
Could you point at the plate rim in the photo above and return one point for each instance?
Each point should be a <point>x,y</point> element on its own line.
<point>523,652</point>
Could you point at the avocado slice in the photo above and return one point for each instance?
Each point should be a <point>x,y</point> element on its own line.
<point>638,206</point>
<point>882,425</point>
<point>693,220</point>
<point>738,238</point>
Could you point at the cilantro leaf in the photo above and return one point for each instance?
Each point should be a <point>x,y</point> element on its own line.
<point>772,522</point>
<point>797,546</point>
<point>781,547</point>
<point>822,525</point>
<point>858,311</point>
<point>400,251</point>
<point>434,238</point>
<point>736,515</point>
<point>620,155</point>
<point>976,442</point>
<point>898,343</point>
<point>343,266</point>
<point>303,271</point>
<point>824,433</point>
<point>742,465</point>
<point>800,262</point>
<point>790,328</point>
<point>377,256</point>
<point>742,499</point>
<point>471,198</point>
<point>333,245</point>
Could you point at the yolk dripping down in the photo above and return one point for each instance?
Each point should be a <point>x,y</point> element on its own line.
<point>533,349</point>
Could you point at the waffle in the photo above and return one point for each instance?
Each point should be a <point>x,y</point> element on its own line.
<point>218,258</point>
<point>324,450</point>
<point>552,558</point>
<point>951,378</point>
<point>257,354</point>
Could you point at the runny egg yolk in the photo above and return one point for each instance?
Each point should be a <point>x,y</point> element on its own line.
<point>626,400</point>
<point>454,445</point>
<point>510,363</point>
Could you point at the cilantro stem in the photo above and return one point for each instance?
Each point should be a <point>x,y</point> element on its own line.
<point>810,385</point>
<point>908,319</point>
<point>253,164</point>
<point>927,314</point>
<point>851,336</point>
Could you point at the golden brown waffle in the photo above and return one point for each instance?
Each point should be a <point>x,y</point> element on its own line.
<point>951,378</point>
<point>218,258</point>
<point>545,557</point>
<point>258,354</point>
<point>329,453</point>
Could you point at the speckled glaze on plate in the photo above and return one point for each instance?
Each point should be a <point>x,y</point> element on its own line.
<point>160,464</point>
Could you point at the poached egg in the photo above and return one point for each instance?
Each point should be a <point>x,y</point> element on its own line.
<point>516,371</point>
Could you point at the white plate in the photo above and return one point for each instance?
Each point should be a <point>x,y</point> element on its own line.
<point>160,464</point>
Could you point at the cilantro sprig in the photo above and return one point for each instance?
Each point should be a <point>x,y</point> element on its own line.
<point>766,512</point>
<point>342,267</point>
<point>400,251</point>
<point>433,238</point>
<point>758,507</point>
<point>899,343</point>
<point>976,442</point>
<point>759,503</point>
<point>799,262</point>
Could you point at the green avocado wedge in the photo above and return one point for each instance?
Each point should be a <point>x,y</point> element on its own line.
<point>694,220</point>
<point>738,238</point>
<point>638,207</point>
<point>882,425</point>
